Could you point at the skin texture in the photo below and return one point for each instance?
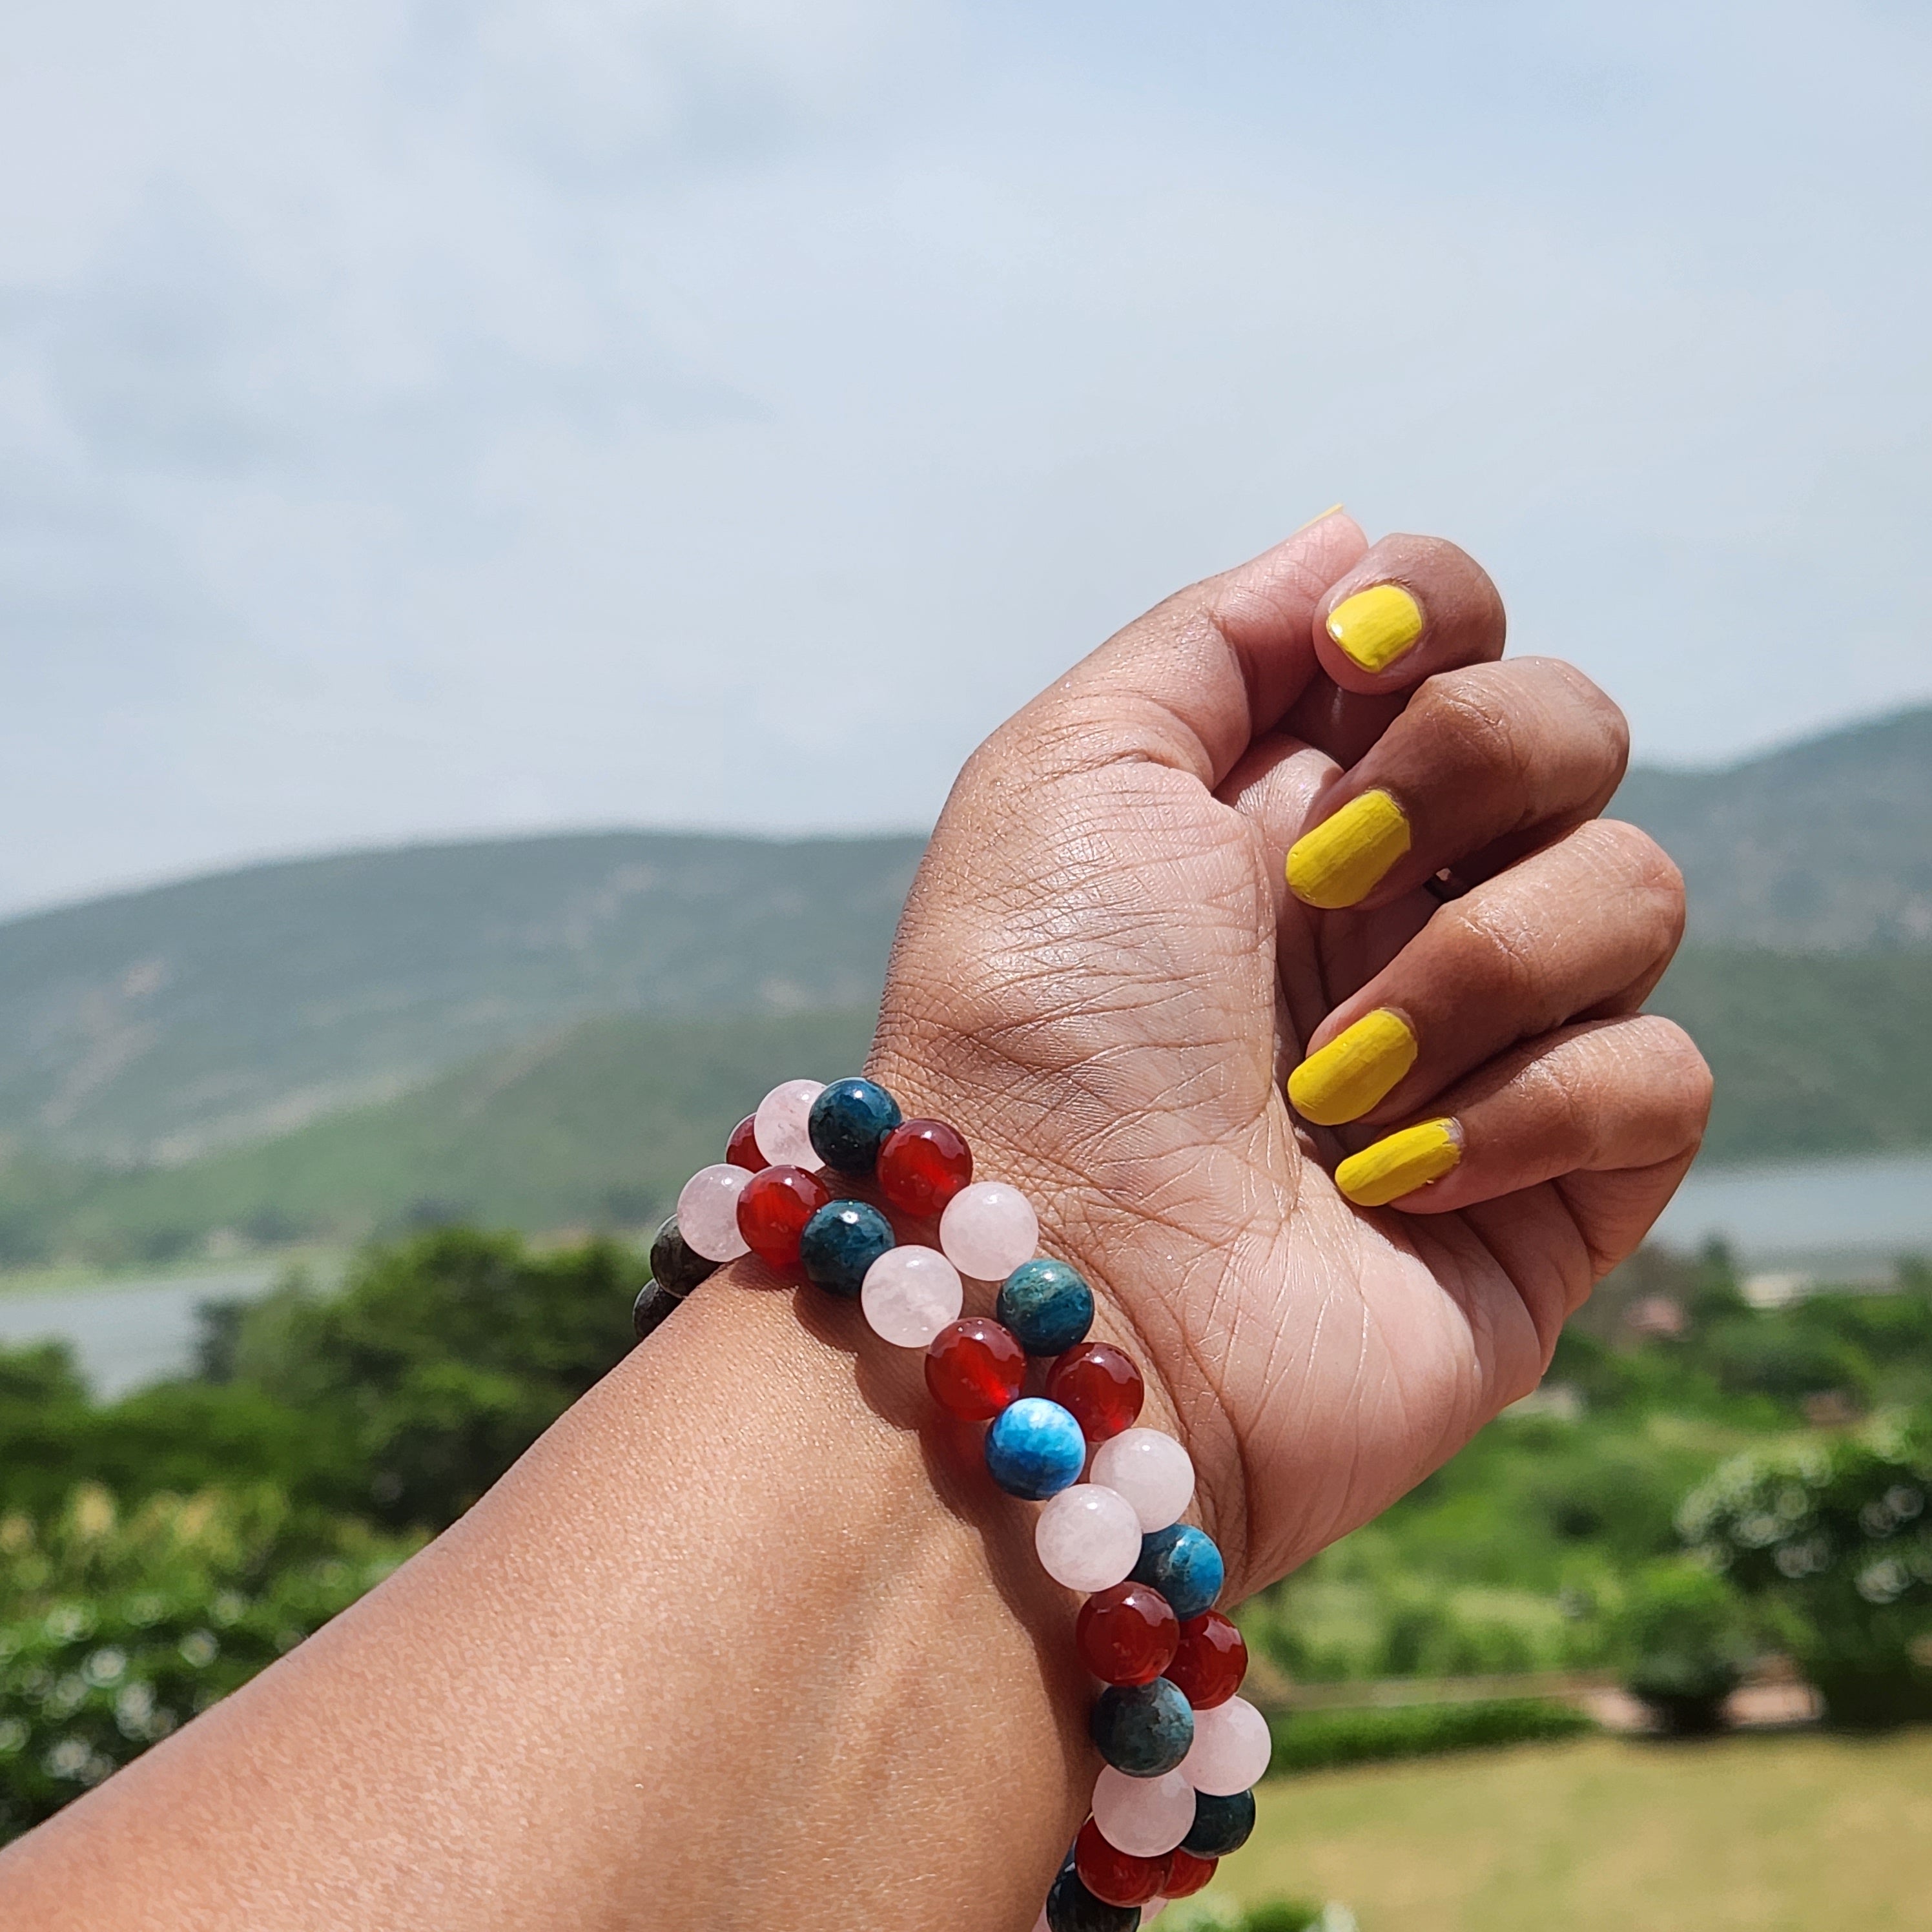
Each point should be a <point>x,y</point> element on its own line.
<point>747,1639</point>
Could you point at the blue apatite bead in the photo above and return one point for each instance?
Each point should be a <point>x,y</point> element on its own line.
<point>1071,1907</point>
<point>840,1243</point>
<point>1182,1563</point>
<point>848,1122</point>
<point>1047,1305</point>
<point>1221,1825</point>
<point>1143,1729</point>
<point>1035,1449</point>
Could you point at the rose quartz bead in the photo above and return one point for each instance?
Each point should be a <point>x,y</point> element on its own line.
<point>707,1212</point>
<point>909,1295</point>
<point>1231,1750</point>
<point>1087,1537</point>
<point>1153,1908</point>
<point>779,1126</point>
<point>988,1229</point>
<point>1152,1470</point>
<point>1145,1815</point>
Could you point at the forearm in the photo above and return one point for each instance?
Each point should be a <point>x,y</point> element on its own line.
<point>746,1637</point>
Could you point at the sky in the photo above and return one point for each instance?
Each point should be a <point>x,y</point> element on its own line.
<point>420,420</point>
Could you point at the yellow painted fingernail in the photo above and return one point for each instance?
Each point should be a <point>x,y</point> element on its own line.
<point>1343,858</point>
<point>1313,521</point>
<point>1353,1071</point>
<point>1400,1164</point>
<point>1376,626</point>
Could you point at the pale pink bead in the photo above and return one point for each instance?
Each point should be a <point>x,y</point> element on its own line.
<point>1231,1751</point>
<point>780,1124</point>
<point>1143,1815</point>
<point>1088,1537</point>
<point>1153,1908</point>
<point>707,1212</point>
<point>987,1230</point>
<point>1039,1925</point>
<point>910,1294</point>
<point>1152,1470</point>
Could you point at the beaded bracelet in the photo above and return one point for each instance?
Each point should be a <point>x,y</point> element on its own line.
<point>1182,1750</point>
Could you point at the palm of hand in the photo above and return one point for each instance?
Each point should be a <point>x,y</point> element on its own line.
<point>1102,978</point>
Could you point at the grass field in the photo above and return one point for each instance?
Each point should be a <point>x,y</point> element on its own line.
<point>1784,1833</point>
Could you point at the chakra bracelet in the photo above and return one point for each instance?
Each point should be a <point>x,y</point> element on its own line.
<point>1181,1750</point>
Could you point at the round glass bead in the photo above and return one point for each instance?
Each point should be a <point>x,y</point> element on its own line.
<point>1152,1470</point>
<point>1126,1635</point>
<point>1087,1537</point>
<point>849,1121</point>
<point>1071,1907</point>
<point>974,1368</point>
<point>707,1212</point>
<point>1116,1877</point>
<point>909,1295</point>
<point>1231,1750</point>
<point>675,1264</point>
<point>1146,1816</point>
<point>1182,1563</point>
<point>782,1123</point>
<point>1209,1660</point>
<point>1047,1304</point>
<point>742,1149</point>
<point>1034,1449</point>
<point>1143,1729</point>
<point>1221,1825</point>
<point>1186,1873</point>
<point>654,1302</point>
<point>840,1243</point>
<point>773,1208</point>
<point>987,1230</point>
<point>922,1164</point>
<point>1102,1388</point>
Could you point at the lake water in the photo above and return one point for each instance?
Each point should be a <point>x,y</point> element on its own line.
<point>1846,1218</point>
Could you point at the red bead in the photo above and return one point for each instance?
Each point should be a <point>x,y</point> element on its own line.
<point>1126,1635</point>
<point>922,1164</point>
<point>974,1368</point>
<point>742,1149</point>
<point>1209,1660</point>
<point>773,1209</point>
<point>1102,1388</point>
<point>1186,1873</point>
<point>1116,1877</point>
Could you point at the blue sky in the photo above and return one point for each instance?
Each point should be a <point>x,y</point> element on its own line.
<point>423,419</point>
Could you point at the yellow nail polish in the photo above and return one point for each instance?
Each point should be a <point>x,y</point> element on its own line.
<point>1353,1071</point>
<point>1345,857</point>
<point>1400,1164</point>
<point>1313,521</point>
<point>1376,626</point>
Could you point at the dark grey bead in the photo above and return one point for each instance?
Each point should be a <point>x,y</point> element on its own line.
<point>1221,1825</point>
<point>1071,1907</point>
<point>654,1302</point>
<point>677,1264</point>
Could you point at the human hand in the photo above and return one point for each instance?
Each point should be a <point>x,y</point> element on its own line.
<point>1103,978</point>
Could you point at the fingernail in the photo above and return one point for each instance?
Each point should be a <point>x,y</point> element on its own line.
<point>1376,626</point>
<point>1400,1164</point>
<point>1353,1071</point>
<point>1313,521</point>
<point>1343,858</point>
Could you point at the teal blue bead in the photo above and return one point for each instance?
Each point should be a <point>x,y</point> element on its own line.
<point>1221,1825</point>
<point>1143,1729</point>
<point>1182,1563</point>
<point>840,1243</point>
<point>848,1122</point>
<point>1047,1305</point>
<point>1034,1449</point>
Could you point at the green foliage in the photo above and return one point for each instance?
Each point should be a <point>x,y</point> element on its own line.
<point>1834,1534</point>
<point>116,1626</point>
<point>1686,1639</point>
<point>1315,1740</point>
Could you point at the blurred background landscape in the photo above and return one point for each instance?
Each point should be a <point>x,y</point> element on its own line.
<point>510,518</point>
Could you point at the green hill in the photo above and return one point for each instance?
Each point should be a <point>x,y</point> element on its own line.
<point>1822,847</point>
<point>154,1025</point>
